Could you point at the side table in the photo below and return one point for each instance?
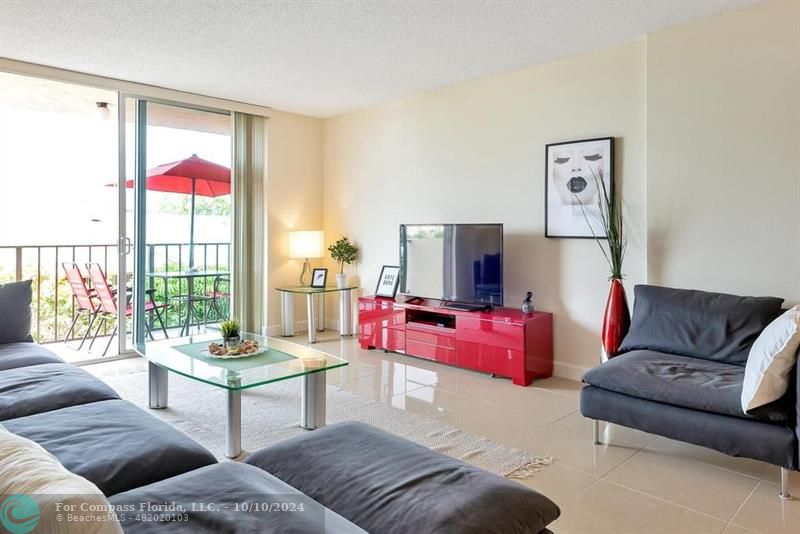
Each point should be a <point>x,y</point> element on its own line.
<point>316,321</point>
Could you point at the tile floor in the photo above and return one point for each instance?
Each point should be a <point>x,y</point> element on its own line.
<point>633,483</point>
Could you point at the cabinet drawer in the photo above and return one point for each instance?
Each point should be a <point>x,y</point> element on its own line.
<point>497,333</point>
<point>431,352</point>
<point>430,337</point>
<point>489,359</point>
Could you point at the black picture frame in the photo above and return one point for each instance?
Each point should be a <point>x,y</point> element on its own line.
<point>388,281</point>
<point>580,230</point>
<point>314,282</point>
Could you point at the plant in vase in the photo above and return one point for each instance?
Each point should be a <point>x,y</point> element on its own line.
<point>231,334</point>
<point>343,251</point>
<point>617,318</point>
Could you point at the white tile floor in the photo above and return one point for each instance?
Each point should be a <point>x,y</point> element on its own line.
<point>634,483</point>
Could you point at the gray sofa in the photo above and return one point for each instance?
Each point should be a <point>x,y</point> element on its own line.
<point>345,478</point>
<point>680,372</point>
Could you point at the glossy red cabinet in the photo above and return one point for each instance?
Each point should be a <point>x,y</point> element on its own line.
<point>504,341</point>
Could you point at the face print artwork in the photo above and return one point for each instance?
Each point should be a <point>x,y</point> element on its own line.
<point>572,173</point>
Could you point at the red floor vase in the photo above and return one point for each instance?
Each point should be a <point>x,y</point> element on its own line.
<point>617,320</point>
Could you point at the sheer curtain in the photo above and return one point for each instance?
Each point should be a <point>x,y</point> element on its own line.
<point>248,304</point>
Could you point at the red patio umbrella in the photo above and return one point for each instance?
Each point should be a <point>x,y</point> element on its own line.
<point>190,176</point>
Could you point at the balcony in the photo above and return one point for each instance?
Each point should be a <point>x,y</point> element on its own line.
<point>54,307</point>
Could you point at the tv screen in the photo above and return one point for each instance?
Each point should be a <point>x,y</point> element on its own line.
<point>452,262</point>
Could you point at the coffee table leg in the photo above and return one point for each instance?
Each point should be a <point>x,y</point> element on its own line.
<point>312,413</point>
<point>233,424</point>
<point>312,328</point>
<point>158,386</point>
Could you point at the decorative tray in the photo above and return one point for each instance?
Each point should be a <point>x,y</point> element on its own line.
<point>245,349</point>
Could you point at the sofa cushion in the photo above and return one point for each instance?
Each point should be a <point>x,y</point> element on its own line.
<point>736,436</point>
<point>49,386</point>
<point>694,383</point>
<point>387,484</point>
<point>712,326</point>
<point>15,312</point>
<point>33,478</point>
<point>13,355</point>
<point>113,444</point>
<point>238,492</point>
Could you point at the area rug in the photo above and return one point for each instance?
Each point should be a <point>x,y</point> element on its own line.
<point>271,414</point>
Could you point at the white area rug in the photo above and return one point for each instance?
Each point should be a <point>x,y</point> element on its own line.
<point>271,413</point>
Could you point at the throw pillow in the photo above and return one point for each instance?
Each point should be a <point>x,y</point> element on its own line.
<point>769,366</point>
<point>15,312</point>
<point>40,492</point>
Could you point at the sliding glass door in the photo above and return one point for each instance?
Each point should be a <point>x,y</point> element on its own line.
<point>176,210</point>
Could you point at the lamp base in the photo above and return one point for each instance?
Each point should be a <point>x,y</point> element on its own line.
<point>305,274</point>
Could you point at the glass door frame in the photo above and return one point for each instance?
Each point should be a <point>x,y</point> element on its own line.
<point>139,245</point>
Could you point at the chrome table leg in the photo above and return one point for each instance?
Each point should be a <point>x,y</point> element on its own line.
<point>287,314</point>
<point>158,386</point>
<point>312,413</point>
<point>312,328</point>
<point>233,424</point>
<point>346,312</point>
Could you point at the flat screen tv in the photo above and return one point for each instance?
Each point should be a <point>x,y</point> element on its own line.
<point>452,262</point>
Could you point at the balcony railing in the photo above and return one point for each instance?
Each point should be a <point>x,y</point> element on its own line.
<point>53,307</point>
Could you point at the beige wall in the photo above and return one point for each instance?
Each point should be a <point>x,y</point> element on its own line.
<point>475,153</point>
<point>293,199</point>
<point>705,118</point>
<point>723,160</point>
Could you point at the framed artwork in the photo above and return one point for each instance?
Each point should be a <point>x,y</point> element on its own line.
<point>319,277</point>
<point>388,281</point>
<point>573,171</point>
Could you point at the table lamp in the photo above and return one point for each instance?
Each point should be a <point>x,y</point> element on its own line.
<point>304,245</point>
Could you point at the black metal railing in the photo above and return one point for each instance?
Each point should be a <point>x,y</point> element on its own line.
<point>53,306</point>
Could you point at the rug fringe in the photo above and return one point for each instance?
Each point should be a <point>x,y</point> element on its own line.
<point>530,468</point>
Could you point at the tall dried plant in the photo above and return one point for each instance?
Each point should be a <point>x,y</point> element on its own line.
<point>611,218</point>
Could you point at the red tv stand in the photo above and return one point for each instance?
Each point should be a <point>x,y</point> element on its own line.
<point>504,341</point>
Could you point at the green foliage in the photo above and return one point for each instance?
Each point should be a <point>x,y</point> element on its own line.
<point>343,251</point>
<point>229,328</point>
<point>613,226</point>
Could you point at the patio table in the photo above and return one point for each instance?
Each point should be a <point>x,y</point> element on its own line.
<point>191,298</point>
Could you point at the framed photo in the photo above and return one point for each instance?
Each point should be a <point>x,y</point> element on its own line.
<point>388,281</point>
<point>573,171</point>
<point>319,277</point>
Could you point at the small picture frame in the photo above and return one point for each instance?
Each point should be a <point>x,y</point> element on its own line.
<point>319,277</point>
<point>388,281</point>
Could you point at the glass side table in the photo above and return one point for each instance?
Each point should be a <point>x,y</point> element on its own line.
<point>316,321</point>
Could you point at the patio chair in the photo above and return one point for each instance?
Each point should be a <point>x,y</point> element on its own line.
<point>221,291</point>
<point>108,305</point>
<point>83,299</point>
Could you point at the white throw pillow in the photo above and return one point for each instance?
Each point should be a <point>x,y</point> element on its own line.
<point>35,489</point>
<point>772,356</point>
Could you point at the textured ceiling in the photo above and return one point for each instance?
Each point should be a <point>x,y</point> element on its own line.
<point>321,58</point>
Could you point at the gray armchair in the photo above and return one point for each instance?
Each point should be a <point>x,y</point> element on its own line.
<point>680,372</point>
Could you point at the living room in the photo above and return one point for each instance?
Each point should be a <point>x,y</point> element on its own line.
<point>407,128</point>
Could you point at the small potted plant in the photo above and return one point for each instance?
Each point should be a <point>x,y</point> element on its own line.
<point>343,251</point>
<point>230,333</point>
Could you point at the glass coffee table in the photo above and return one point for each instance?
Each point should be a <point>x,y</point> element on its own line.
<point>281,360</point>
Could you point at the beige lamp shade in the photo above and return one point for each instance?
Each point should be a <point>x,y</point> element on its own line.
<point>306,244</point>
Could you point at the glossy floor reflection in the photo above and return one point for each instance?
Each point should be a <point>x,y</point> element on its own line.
<point>634,483</point>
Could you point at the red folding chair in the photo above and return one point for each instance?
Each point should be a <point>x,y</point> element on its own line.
<point>84,301</point>
<point>107,309</point>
